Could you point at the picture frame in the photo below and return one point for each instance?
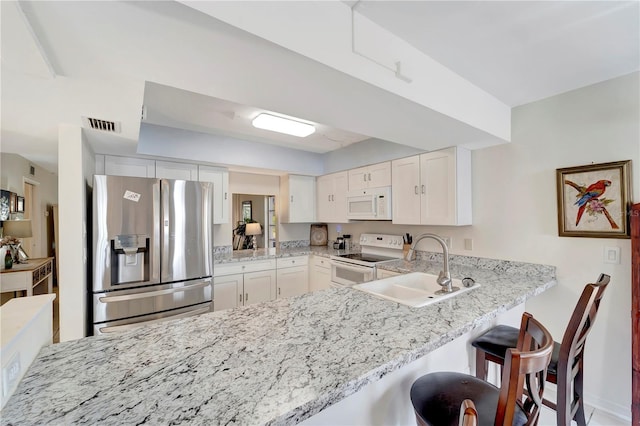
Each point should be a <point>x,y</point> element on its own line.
<point>20,204</point>
<point>594,200</point>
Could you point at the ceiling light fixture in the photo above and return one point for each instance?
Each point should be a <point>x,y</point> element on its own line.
<point>283,125</point>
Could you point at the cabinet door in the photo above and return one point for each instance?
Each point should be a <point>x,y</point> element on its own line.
<point>220,179</point>
<point>320,274</point>
<point>227,291</point>
<point>405,187</point>
<point>129,166</point>
<point>182,171</point>
<point>324,189</point>
<point>379,175</point>
<point>358,178</point>
<point>302,199</point>
<point>292,281</point>
<point>339,198</point>
<point>259,286</point>
<point>438,187</point>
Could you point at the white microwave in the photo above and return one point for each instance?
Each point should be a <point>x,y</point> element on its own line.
<point>369,204</point>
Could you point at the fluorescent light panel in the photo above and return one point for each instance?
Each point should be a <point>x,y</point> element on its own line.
<point>282,125</point>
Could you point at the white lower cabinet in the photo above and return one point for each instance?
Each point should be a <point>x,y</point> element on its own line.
<point>292,276</point>
<point>232,288</point>
<point>382,273</point>
<point>319,273</point>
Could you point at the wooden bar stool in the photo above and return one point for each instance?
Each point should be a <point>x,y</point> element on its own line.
<point>567,362</point>
<point>448,398</point>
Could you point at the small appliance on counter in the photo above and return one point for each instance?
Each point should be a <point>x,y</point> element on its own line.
<point>338,244</point>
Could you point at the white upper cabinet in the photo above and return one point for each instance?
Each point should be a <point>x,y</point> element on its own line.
<point>433,188</point>
<point>181,171</point>
<point>373,176</point>
<point>297,199</point>
<point>220,179</point>
<point>405,187</point>
<point>128,166</point>
<point>331,201</point>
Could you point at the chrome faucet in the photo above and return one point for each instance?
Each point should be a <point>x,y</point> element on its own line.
<point>444,277</point>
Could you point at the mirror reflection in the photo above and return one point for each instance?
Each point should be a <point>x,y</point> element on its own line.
<point>251,209</point>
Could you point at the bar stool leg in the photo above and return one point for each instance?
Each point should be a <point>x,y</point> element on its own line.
<point>481,365</point>
<point>579,397</point>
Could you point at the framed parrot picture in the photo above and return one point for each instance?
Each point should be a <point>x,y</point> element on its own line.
<point>594,200</point>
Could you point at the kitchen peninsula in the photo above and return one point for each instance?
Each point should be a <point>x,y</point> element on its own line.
<point>278,362</point>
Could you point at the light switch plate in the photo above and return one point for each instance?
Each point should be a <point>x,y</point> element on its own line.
<point>612,255</point>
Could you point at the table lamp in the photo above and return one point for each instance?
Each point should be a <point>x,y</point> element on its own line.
<point>253,229</point>
<point>17,229</point>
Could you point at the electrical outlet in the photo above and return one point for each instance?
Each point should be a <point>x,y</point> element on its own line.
<point>10,374</point>
<point>468,244</point>
<point>612,255</point>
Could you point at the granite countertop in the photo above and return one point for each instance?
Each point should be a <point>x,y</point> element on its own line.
<point>273,253</point>
<point>277,362</point>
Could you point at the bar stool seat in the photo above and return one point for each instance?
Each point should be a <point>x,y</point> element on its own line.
<point>451,398</point>
<point>496,341</point>
<point>439,407</point>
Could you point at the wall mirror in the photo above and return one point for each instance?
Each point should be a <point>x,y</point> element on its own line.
<point>260,208</point>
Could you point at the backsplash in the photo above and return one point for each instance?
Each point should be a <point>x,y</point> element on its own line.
<point>496,265</point>
<point>222,250</point>
<point>294,244</point>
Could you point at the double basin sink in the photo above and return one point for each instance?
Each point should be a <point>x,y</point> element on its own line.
<point>415,289</point>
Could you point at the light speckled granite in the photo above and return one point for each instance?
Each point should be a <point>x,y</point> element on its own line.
<point>222,249</point>
<point>272,363</point>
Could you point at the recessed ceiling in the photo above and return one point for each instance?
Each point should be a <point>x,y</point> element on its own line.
<point>171,107</point>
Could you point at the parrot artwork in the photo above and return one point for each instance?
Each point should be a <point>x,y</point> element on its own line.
<point>592,192</point>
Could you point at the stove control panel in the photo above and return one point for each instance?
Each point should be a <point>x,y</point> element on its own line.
<point>381,240</point>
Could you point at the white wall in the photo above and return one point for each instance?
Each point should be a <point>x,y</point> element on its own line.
<point>14,170</point>
<point>515,217</point>
<point>75,173</point>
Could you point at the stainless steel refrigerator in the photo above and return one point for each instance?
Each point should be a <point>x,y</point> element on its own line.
<point>152,251</point>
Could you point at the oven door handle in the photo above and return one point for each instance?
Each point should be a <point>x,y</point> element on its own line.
<point>350,266</point>
<point>144,295</point>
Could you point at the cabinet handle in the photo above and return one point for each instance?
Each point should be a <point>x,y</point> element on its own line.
<point>246,297</point>
<point>333,197</point>
<point>240,297</point>
<point>364,177</point>
<point>423,190</point>
<point>369,177</point>
<point>416,189</point>
<point>278,291</point>
<point>328,197</point>
<point>225,195</point>
<point>292,198</point>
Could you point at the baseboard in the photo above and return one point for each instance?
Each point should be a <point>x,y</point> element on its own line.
<point>595,403</point>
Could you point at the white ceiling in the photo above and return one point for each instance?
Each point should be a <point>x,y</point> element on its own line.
<point>62,60</point>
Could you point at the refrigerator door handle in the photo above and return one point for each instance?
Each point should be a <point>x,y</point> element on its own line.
<point>147,294</point>
<point>115,328</point>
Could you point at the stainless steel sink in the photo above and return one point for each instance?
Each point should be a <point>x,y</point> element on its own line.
<point>416,289</point>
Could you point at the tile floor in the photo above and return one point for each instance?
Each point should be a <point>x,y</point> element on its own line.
<point>594,418</point>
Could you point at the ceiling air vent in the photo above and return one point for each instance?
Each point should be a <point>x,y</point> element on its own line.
<point>104,125</point>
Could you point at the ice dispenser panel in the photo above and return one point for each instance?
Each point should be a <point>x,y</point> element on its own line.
<point>129,259</point>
